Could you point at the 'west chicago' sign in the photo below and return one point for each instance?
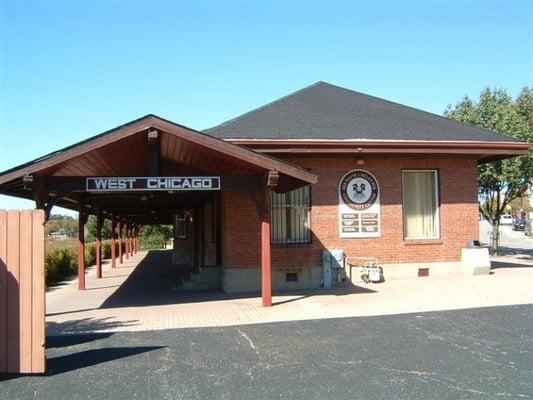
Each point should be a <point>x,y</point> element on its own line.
<point>127,184</point>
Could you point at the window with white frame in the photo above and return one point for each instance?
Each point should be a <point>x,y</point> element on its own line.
<point>290,216</point>
<point>420,204</point>
<point>181,225</point>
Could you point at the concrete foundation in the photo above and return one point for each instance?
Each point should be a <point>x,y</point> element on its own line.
<point>239,280</point>
<point>235,280</point>
<point>475,261</point>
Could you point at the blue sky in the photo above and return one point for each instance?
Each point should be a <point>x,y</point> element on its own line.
<point>72,69</point>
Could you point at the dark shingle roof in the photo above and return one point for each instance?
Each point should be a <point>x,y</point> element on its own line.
<point>325,111</point>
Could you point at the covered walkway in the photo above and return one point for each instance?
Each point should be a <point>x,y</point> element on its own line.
<point>138,296</point>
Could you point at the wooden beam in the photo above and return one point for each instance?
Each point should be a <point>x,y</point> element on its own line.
<point>266,267</point>
<point>154,152</point>
<point>272,179</point>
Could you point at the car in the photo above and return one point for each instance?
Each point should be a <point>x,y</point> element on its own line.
<point>506,220</point>
<point>519,224</point>
<point>528,229</point>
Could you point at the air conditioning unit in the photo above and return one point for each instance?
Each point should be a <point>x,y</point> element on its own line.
<point>332,260</point>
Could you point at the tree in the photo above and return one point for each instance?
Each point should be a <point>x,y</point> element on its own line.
<point>155,236</point>
<point>500,182</point>
<point>62,223</point>
<point>92,229</point>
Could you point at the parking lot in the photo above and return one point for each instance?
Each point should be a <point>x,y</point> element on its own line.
<point>482,353</point>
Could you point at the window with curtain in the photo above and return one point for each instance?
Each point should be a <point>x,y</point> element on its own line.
<point>420,204</point>
<point>290,216</point>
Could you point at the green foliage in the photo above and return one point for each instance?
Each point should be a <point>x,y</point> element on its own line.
<point>60,262</point>
<point>91,229</point>
<point>62,223</point>
<point>500,182</point>
<point>155,236</point>
<point>61,259</point>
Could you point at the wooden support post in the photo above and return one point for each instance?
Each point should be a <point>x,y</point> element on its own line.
<point>113,243</point>
<point>136,240</point>
<point>132,232</point>
<point>82,218</point>
<point>127,240</point>
<point>266,267</point>
<point>99,223</point>
<point>120,241</point>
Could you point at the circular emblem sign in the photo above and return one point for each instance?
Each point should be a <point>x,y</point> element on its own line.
<point>359,190</point>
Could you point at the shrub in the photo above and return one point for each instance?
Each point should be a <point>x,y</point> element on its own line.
<point>59,263</point>
<point>154,241</point>
<point>61,259</point>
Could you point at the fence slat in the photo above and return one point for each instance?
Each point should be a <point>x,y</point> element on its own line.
<point>3,291</point>
<point>13,281</point>
<point>25,277</point>
<point>39,303</point>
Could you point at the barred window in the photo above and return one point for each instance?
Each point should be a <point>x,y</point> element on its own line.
<point>290,216</point>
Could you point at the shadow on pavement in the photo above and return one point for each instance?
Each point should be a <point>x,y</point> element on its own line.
<point>75,361</point>
<point>72,362</point>
<point>152,283</point>
<point>85,325</point>
<point>508,264</point>
<point>73,340</point>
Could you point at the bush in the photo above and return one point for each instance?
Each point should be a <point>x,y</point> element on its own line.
<point>60,263</point>
<point>154,241</point>
<point>61,259</point>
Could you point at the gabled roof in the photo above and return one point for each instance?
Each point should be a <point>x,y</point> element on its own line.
<point>234,159</point>
<point>145,147</point>
<point>329,112</point>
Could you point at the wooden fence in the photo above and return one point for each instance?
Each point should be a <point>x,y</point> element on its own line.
<point>22,288</point>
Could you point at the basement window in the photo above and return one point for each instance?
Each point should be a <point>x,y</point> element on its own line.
<point>291,277</point>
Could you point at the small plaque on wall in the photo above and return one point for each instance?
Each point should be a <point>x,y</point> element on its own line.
<point>359,207</point>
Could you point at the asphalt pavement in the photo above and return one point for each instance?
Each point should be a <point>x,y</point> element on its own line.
<point>483,353</point>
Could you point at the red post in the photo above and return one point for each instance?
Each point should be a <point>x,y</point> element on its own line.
<point>120,241</point>
<point>82,216</point>
<point>127,240</point>
<point>266,267</point>
<point>113,242</point>
<point>99,223</point>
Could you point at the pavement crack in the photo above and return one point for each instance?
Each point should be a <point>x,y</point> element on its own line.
<point>252,345</point>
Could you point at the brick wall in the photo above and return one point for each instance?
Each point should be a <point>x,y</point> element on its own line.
<point>458,215</point>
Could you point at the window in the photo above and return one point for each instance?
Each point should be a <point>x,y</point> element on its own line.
<point>181,225</point>
<point>420,204</point>
<point>289,216</point>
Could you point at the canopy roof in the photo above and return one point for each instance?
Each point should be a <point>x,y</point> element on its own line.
<point>149,146</point>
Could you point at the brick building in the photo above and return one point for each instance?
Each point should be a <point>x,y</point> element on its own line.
<point>256,200</point>
<point>331,131</point>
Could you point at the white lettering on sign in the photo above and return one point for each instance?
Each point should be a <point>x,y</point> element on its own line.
<point>110,184</point>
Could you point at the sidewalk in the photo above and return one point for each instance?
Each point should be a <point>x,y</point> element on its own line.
<point>100,308</point>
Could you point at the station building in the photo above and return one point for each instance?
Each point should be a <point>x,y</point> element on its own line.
<point>264,198</point>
